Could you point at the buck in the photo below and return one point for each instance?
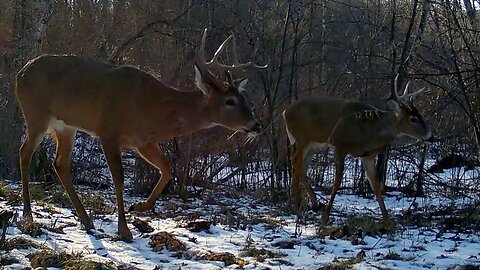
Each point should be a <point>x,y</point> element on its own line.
<point>126,108</point>
<point>317,123</point>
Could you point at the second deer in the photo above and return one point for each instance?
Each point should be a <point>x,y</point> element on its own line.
<point>316,123</point>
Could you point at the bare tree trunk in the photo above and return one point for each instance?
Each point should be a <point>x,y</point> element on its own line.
<point>420,177</point>
<point>323,50</point>
<point>272,106</point>
<point>30,26</point>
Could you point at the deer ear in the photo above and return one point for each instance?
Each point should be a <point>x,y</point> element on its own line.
<point>200,82</point>
<point>241,86</point>
<point>393,105</point>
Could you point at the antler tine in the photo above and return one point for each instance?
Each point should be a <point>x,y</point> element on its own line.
<point>406,97</point>
<point>219,51</point>
<point>233,50</point>
<point>214,63</point>
<point>254,53</point>
<point>405,91</point>
<point>395,86</point>
<point>411,97</point>
<point>201,52</point>
<point>236,63</point>
<point>234,56</point>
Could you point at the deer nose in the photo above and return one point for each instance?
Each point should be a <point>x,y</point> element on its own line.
<point>429,138</point>
<point>255,128</point>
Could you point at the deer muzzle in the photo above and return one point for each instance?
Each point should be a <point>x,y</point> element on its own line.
<point>429,137</point>
<point>255,128</point>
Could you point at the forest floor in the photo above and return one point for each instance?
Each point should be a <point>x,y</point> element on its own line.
<point>217,229</point>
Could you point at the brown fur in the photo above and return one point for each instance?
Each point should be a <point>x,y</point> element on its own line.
<point>124,107</point>
<point>350,127</point>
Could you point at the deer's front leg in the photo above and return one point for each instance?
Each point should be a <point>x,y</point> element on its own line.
<point>65,140</point>
<point>298,174</point>
<point>307,156</point>
<point>112,152</point>
<point>35,133</point>
<point>153,155</point>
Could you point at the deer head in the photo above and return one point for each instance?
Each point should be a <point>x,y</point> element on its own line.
<point>225,102</point>
<point>410,121</point>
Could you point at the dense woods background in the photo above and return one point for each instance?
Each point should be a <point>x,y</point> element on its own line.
<point>344,48</point>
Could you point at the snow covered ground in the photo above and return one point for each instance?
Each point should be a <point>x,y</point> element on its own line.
<point>240,221</point>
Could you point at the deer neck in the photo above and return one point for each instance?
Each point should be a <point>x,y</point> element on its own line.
<point>179,113</point>
<point>389,127</point>
<point>192,112</point>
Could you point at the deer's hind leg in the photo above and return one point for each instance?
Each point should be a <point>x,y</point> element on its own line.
<point>65,139</point>
<point>36,121</point>
<point>153,155</point>
<point>307,156</point>
<point>377,187</point>
<point>35,134</point>
<point>339,168</point>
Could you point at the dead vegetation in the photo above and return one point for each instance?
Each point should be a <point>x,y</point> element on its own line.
<point>260,254</point>
<point>392,255</point>
<point>48,258</point>
<point>356,228</point>
<point>198,225</point>
<point>19,242</point>
<point>63,260</point>
<point>167,240</point>
<point>97,205</point>
<point>142,226</point>
<point>7,260</point>
<point>345,263</point>
<point>10,195</point>
<point>34,229</point>
<point>225,257</point>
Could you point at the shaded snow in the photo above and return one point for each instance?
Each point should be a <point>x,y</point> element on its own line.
<point>418,247</point>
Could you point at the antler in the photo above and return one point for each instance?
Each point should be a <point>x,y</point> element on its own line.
<point>405,97</point>
<point>214,63</point>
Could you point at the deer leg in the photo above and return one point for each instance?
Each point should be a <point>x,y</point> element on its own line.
<point>153,155</point>
<point>340,159</point>
<point>298,175</point>
<point>111,149</point>
<point>377,187</point>
<point>32,141</point>
<point>65,140</point>
<point>310,192</point>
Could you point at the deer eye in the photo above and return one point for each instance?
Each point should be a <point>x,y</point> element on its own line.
<point>413,119</point>
<point>231,102</point>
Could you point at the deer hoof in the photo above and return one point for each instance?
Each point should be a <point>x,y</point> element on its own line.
<point>140,207</point>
